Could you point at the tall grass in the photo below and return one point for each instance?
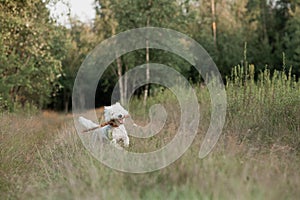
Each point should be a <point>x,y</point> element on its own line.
<point>265,108</point>
<point>257,156</point>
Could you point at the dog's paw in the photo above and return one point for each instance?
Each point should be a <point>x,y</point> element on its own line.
<point>115,144</point>
<point>126,143</point>
<point>118,146</point>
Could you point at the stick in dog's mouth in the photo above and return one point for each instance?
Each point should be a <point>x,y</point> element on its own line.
<point>111,123</point>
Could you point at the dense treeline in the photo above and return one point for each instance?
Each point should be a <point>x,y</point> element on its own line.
<point>39,58</point>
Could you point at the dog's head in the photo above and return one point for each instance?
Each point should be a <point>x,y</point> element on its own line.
<point>115,113</point>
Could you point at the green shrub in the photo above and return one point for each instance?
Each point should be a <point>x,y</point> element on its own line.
<point>266,109</point>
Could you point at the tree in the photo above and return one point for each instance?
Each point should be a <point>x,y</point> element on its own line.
<point>127,14</point>
<point>31,50</point>
<point>292,38</point>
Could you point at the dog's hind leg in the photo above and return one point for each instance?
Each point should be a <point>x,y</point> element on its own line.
<point>94,139</point>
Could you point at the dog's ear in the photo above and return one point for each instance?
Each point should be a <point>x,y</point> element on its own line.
<point>107,113</point>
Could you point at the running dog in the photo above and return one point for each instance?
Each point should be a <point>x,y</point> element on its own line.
<point>112,129</point>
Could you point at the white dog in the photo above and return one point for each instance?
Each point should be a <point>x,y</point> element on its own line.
<point>112,129</point>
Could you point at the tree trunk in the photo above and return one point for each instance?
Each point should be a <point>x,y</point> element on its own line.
<point>147,73</point>
<point>264,20</point>
<point>146,91</point>
<point>66,106</point>
<point>81,99</point>
<point>121,88</point>
<point>119,66</point>
<point>214,23</point>
<point>66,101</point>
<point>125,83</point>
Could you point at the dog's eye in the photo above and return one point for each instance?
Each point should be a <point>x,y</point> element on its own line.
<point>120,116</point>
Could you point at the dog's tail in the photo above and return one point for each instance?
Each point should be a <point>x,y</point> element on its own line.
<point>88,124</point>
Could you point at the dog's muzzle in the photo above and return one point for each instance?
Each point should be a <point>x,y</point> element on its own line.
<point>121,118</point>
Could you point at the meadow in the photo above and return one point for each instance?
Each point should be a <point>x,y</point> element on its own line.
<point>256,157</point>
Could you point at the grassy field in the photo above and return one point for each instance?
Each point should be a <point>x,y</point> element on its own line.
<point>257,156</point>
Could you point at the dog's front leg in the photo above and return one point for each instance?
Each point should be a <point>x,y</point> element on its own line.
<point>126,141</point>
<point>115,144</point>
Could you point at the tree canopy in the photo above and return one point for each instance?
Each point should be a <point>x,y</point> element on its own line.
<point>39,58</point>
<point>32,48</point>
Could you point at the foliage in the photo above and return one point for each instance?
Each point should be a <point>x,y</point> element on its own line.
<point>114,16</point>
<point>79,41</point>
<point>267,108</point>
<point>39,59</point>
<point>31,53</point>
<point>292,39</point>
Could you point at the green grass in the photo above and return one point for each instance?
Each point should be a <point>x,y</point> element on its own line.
<point>257,156</point>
